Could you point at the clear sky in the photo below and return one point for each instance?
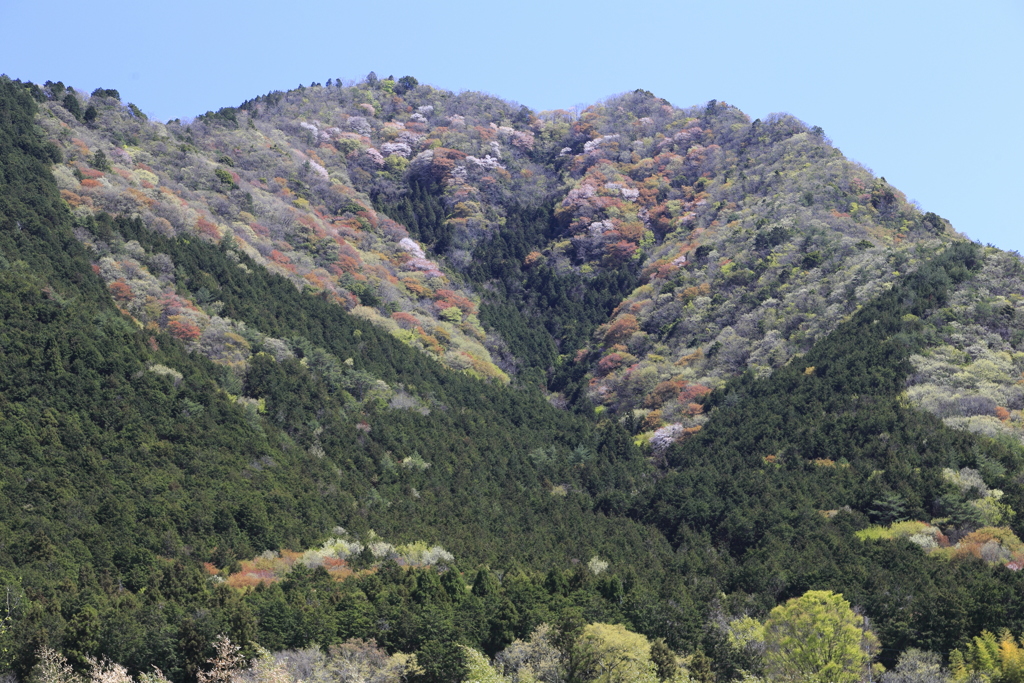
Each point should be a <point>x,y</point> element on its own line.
<point>927,93</point>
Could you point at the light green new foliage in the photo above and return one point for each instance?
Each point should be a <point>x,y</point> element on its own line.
<point>609,653</point>
<point>896,530</point>
<point>744,631</point>
<point>480,670</point>
<point>816,638</point>
<point>452,314</point>
<point>992,511</point>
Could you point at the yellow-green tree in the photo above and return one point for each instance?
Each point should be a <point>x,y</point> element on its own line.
<point>817,638</point>
<point>610,653</point>
<point>479,669</point>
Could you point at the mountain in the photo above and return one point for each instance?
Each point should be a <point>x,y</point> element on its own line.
<point>643,365</point>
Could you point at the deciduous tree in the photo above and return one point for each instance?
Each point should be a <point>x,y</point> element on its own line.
<point>817,638</point>
<point>609,653</point>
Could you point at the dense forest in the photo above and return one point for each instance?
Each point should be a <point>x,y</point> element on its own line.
<point>379,382</point>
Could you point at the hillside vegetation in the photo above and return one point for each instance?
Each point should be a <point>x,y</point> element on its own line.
<point>391,371</point>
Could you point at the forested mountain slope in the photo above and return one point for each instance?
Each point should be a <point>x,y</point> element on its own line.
<point>542,227</point>
<point>126,458</point>
<point>741,369</point>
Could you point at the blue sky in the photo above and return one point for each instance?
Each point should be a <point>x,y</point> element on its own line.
<point>925,93</point>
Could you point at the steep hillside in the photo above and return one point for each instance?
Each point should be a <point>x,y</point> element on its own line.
<point>540,227</point>
<point>970,375</point>
<point>788,466</point>
<point>384,362</point>
<point>128,455</point>
<point>280,191</point>
<point>762,238</point>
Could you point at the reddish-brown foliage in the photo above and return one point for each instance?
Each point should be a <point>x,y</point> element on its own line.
<point>120,291</point>
<point>417,287</point>
<point>652,420</point>
<point>486,134</point>
<point>446,298</point>
<point>429,341</point>
<point>207,228</point>
<point>613,361</point>
<point>691,392</point>
<point>663,392</point>
<point>649,196</point>
<point>313,155</point>
<point>313,224</point>
<point>632,230</point>
<point>71,198</point>
<point>405,320</point>
<point>315,280</point>
<point>370,216</point>
<point>344,264</point>
<point>250,579</point>
<point>620,251</point>
<point>661,221</point>
<point>140,198</point>
<point>443,162</point>
<point>184,330</point>
<point>621,328</point>
<point>337,568</point>
<point>664,271</point>
<point>277,257</point>
<point>693,292</point>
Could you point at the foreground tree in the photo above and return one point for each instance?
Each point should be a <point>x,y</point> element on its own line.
<point>817,638</point>
<point>610,653</point>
